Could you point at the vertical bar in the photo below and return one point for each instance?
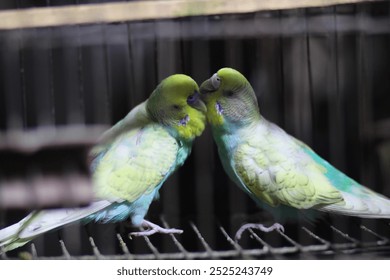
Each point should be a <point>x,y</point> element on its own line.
<point>143,46</point>
<point>95,249</point>
<point>175,241</point>
<point>80,76</point>
<point>119,71</point>
<point>267,68</point>
<point>298,99</point>
<point>130,67</point>
<point>380,98</point>
<point>34,254</point>
<point>38,78</point>
<point>3,105</point>
<point>94,76</point>
<point>203,150</point>
<point>123,246</point>
<point>51,114</point>
<point>206,246</point>
<point>65,252</point>
<point>22,76</point>
<point>71,236</point>
<point>365,91</point>
<point>335,99</point>
<point>67,76</point>
<point>105,237</point>
<point>20,49</point>
<point>152,248</point>
<point>234,244</point>
<point>107,29</point>
<point>310,96</point>
<point>280,77</point>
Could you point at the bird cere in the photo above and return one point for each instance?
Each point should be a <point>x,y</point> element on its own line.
<point>136,156</point>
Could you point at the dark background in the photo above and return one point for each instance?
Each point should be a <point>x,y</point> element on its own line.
<point>322,74</point>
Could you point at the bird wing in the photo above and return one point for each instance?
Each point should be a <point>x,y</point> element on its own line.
<point>358,199</point>
<point>136,162</point>
<point>272,167</point>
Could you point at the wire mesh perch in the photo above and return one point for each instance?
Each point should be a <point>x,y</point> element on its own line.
<point>315,247</point>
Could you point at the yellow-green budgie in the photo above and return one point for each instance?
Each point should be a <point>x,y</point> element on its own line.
<point>272,166</point>
<point>130,164</point>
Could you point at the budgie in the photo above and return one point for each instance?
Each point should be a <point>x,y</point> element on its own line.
<point>271,166</point>
<point>130,163</point>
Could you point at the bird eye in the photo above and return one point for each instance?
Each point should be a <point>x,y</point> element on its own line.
<point>177,107</point>
<point>215,81</point>
<point>191,99</point>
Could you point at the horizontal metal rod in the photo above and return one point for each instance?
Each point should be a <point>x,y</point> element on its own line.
<point>369,247</point>
<point>147,10</point>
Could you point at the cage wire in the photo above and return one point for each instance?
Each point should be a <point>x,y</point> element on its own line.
<point>321,73</point>
<point>375,247</point>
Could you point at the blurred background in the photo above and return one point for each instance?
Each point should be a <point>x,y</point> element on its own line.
<point>321,73</point>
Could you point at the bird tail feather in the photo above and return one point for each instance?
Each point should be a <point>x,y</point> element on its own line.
<point>39,222</point>
<point>367,205</point>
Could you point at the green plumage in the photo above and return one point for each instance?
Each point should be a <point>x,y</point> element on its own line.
<point>130,164</point>
<point>272,166</point>
<point>137,159</point>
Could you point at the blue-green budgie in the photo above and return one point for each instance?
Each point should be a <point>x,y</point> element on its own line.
<point>271,166</point>
<point>130,163</point>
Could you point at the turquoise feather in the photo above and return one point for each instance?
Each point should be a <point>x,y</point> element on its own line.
<point>272,167</point>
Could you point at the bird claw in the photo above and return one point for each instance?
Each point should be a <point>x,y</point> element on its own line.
<point>153,228</point>
<point>261,227</point>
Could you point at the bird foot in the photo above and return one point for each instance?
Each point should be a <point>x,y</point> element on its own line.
<point>153,228</point>
<point>261,227</point>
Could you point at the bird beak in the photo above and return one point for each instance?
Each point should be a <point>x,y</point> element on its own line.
<point>209,86</point>
<point>199,104</point>
<point>206,87</point>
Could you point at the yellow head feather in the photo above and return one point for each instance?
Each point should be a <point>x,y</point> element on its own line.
<point>176,103</point>
<point>229,97</point>
<point>214,117</point>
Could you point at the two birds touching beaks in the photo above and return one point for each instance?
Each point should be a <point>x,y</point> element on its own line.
<point>136,156</point>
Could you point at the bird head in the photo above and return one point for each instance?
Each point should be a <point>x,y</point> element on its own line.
<point>229,98</point>
<point>176,103</point>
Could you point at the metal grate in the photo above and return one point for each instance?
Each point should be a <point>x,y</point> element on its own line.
<point>318,247</point>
